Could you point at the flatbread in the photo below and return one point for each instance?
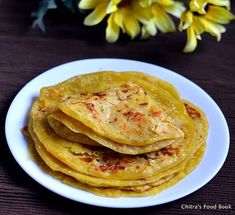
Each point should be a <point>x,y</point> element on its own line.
<point>73,151</point>
<point>71,129</point>
<point>73,154</point>
<point>125,114</point>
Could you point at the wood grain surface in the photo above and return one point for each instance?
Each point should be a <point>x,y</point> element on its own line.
<point>27,52</point>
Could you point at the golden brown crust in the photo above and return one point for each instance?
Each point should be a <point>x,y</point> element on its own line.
<point>119,115</point>
<point>102,170</point>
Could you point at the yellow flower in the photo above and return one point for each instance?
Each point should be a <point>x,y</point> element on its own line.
<point>123,14</point>
<point>208,20</point>
<point>200,5</point>
<point>132,16</point>
<point>160,19</point>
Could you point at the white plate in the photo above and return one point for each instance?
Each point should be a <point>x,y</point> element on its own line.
<point>217,143</point>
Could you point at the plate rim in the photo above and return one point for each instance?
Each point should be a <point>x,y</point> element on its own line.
<point>175,74</point>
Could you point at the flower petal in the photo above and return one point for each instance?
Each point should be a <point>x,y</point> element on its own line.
<point>197,26</point>
<point>89,4</point>
<point>186,20</point>
<point>150,27</point>
<point>112,6</point>
<point>131,25</point>
<point>96,16</point>
<point>167,3</point>
<point>219,15</point>
<point>212,28</point>
<point>144,33</point>
<point>198,6</point>
<point>191,41</point>
<point>176,9</point>
<point>119,19</point>
<point>162,20</point>
<point>112,30</point>
<point>142,14</point>
<point>223,3</point>
<point>144,3</point>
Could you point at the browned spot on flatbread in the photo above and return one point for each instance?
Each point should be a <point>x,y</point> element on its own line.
<point>193,113</point>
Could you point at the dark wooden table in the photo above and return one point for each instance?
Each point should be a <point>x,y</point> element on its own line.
<point>27,52</point>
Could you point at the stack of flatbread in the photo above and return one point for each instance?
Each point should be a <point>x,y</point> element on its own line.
<point>117,133</point>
